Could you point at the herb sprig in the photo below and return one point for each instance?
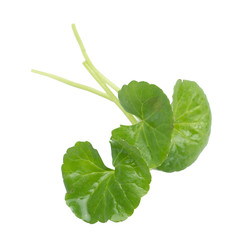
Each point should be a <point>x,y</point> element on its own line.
<point>162,136</point>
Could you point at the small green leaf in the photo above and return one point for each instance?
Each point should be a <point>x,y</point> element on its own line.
<point>97,193</point>
<point>152,135</point>
<point>192,125</point>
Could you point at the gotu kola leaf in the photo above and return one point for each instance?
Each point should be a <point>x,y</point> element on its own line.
<point>97,193</point>
<point>152,134</point>
<point>192,125</point>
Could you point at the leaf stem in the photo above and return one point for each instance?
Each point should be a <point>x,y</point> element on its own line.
<point>74,84</point>
<point>100,78</point>
<point>110,94</point>
<point>110,83</point>
<point>84,52</point>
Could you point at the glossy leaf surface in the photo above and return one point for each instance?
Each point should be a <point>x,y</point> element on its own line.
<point>152,135</point>
<point>192,125</point>
<point>97,193</point>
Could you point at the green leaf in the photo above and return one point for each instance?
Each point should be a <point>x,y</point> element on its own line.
<point>152,135</point>
<point>192,125</point>
<point>97,193</point>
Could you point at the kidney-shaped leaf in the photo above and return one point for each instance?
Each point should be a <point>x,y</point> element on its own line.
<point>97,193</point>
<point>192,125</point>
<point>152,135</point>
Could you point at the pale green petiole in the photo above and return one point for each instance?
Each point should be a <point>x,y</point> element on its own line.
<point>108,91</point>
<point>99,77</point>
<point>74,84</point>
<point>85,55</point>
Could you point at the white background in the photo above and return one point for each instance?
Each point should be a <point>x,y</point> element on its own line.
<point>154,41</point>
